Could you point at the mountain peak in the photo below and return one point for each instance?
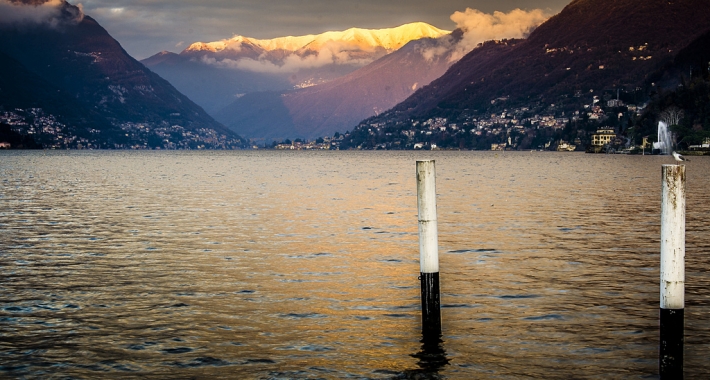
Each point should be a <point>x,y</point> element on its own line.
<point>390,39</point>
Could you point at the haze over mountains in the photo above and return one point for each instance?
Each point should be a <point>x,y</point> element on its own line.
<point>342,103</point>
<point>314,85</point>
<point>215,74</point>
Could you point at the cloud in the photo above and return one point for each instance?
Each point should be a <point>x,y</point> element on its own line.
<point>331,52</point>
<point>443,46</point>
<point>477,27</point>
<point>150,26</point>
<point>50,13</point>
<point>480,27</point>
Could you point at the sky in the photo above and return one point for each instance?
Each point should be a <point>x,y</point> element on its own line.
<point>146,27</point>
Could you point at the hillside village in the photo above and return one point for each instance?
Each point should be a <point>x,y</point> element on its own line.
<point>599,125</point>
<point>45,130</point>
<point>509,129</point>
<point>560,88</point>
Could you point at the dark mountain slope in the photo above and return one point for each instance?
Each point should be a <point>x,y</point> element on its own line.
<point>691,97</point>
<point>590,45</point>
<point>693,60</point>
<point>21,88</point>
<point>85,64</point>
<point>486,58</point>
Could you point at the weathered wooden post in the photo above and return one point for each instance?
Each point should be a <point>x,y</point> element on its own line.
<point>670,359</point>
<point>428,248</point>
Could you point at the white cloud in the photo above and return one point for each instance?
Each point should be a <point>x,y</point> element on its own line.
<point>151,26</point>
<point>477,27</point>
<point>332,52</point>
<point>480,27</point>
<point>48,13</point>
<point>444,46</point>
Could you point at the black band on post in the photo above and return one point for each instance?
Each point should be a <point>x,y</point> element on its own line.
<point>431,304</point>
<point>670,358</point>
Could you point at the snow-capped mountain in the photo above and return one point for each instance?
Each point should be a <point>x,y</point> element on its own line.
<point>341,103</point>
<point>389,39</point>
<point>591,47</point>
<point>214,74</point>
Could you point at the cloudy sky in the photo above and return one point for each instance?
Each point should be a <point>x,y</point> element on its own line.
<point>145,27</point>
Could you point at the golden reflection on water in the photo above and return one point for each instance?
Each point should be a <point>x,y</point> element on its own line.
<point>302,265</point>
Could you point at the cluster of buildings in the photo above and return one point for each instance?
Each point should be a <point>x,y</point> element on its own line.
<point>45,130</point>
<point>173,137</point>
<point>704,146</point>
<point>502,128</point>
<point>508,129</point>
<point>515,118</point>
<point>324,143</point>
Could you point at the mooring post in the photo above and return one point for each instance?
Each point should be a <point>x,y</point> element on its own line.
<point>670,358</point>
<point>428,248</point>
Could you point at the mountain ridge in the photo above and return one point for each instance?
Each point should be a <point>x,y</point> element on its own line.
<point>216,75</point>
<point>387,38</point>
<point>341,103</point>
<point>595,44</point>
<point>93,72</point>
<point>597,64</point>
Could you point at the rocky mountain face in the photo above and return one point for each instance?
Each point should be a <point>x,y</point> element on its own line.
<point>215,74</point>
<point>65,63</point>
<point>341,103</point>
<point>592,45</point>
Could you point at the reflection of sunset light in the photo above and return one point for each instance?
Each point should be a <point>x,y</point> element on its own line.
<point>312,257</point>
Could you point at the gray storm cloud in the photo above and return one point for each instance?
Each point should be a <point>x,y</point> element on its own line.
<point>50,13</point>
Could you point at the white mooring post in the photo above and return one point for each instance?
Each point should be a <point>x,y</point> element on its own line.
<point>670,358</point>
<point>428,248</point>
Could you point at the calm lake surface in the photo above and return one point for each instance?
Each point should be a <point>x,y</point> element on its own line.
<point>290,265</point>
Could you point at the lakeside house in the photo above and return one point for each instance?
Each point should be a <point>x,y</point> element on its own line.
<point>704,146</point>
<point>603,136</point>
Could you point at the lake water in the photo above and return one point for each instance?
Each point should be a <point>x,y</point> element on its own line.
<point>289,265</point>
